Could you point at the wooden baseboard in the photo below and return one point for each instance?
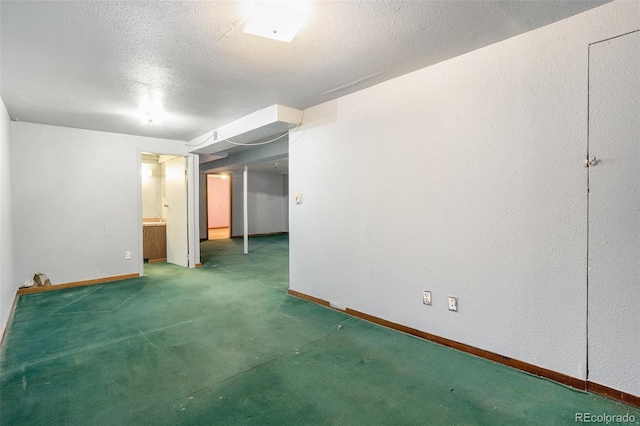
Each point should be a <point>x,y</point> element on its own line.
<point>309,298</point>
<point>501,359</point>
<point>152,261</point>
<point>514,363</point>
<point>76,284</point>
<point>624,397</point>
<point>198,265</point>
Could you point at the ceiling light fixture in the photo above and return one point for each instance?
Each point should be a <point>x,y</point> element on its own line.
<point>150,112</point>
<point>277,20</point>
<point>148,119</point>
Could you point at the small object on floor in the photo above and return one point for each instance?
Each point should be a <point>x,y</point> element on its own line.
<point>339,326</point>
<point>40,280</point>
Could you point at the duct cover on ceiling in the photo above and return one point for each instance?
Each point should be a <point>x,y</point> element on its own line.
<point>254,128</point>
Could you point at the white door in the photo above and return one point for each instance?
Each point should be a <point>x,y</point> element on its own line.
<point>176,211</point>
<point>614,214</point>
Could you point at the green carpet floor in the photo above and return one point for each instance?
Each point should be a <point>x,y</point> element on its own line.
<point>225,345</point>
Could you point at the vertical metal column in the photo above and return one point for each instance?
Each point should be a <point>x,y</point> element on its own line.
<point>246,211</point>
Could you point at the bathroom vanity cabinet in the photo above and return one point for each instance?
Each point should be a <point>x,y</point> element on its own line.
<point>154,242</point>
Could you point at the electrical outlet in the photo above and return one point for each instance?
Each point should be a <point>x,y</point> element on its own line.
<point>127,255</point>
<point>426,297</point>
<point>453,304</point>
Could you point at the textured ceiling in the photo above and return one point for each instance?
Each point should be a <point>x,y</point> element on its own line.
<point>90,64</point>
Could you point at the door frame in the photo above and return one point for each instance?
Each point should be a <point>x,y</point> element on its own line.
<point>193,240</point>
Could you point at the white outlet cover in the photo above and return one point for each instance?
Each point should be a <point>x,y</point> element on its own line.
<point>453,304</point>
<point>426,297</point>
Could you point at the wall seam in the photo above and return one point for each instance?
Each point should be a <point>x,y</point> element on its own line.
<point>588,207</point>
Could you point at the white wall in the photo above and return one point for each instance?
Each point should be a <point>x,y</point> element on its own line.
<point>8,282</point>
<point>152,191</point>
<point>75,201</point>
<point>265,199</point>
<point>464,178</point>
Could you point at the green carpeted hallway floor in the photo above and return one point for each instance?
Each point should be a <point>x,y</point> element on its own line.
<point>225,345</point>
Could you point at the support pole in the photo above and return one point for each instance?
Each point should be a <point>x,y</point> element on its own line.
<point>246,210</point>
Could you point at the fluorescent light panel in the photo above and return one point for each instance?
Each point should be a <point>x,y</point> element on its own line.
<point>277,20</point>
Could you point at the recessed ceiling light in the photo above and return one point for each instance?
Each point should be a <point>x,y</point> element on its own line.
<point>277,20</point>
<point>147,118</point>
<point>150,111</point>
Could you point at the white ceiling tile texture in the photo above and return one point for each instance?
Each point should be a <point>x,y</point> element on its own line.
<point>90,64</point>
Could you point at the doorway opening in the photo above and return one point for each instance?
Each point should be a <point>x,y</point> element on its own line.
<point>164,209</point>
<point>218,206</point>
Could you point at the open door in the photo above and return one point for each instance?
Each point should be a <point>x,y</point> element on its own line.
<point>175,209</point>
